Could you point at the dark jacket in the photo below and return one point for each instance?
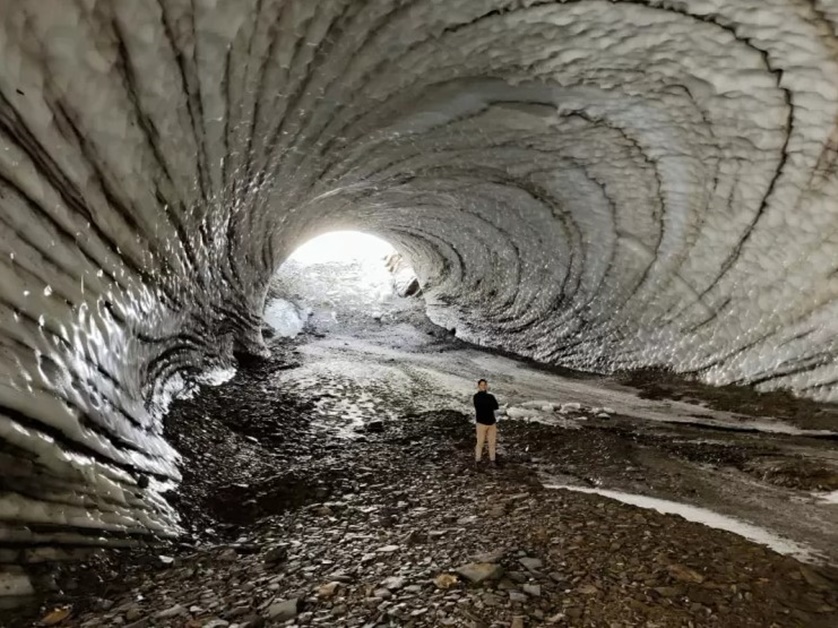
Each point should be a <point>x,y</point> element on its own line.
<point>485,405</point>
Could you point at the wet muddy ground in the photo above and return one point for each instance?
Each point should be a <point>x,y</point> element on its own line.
<point>333,485</point>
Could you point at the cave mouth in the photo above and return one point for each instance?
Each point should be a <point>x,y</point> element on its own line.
<point>341,247</point>
<point>334,277</point>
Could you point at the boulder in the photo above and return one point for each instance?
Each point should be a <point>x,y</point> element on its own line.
<point>480,572</point>
<point>284,610</point>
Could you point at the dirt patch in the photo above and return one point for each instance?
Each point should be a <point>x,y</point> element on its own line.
<point>234,442</point>
<point>807,475</point>
<point>406,505</point>
<point>745,400</point>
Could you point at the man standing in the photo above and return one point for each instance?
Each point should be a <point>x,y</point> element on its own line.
<point>487,429</point>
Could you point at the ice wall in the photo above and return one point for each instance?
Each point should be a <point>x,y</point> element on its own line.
<point>603,184</point>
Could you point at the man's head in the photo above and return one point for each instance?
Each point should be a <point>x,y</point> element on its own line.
<point>483,385</point>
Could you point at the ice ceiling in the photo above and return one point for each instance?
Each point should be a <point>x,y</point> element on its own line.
<point>600,184</point>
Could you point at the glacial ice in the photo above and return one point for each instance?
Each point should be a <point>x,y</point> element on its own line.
<point>598,184</point>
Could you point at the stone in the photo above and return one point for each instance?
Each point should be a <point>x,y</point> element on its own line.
<point>533,564</point>
<point>573,612</point>
<point>532,589</point>
<point>490,557</point>
<point>276,555</point>
<point>517,622</point>
<point>480,572</point>
<point>133,613</point>
<point>684,574</point>
<point>172,611</point>
<point>412,537</point>
<point>329,589</point>
<point>393,583</point>
<point>445,580</point>
<point>668,592</point>
<point>517,596</point>
<point>375,427</point>
<point>56,616</point>
<point>284,610</point>
<point>496,512</point>
<point>816,579</point>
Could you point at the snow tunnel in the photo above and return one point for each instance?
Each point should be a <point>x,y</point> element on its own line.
<point>597,184</point>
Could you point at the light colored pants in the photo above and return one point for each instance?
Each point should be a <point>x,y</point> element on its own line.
<point>486,433</point>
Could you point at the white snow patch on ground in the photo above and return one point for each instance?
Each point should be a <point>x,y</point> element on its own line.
<point>285,317</point>
<point>456,372</point>
<point>216,377</point>
<point>360,373</point>
<point>829,498</point>
<point>706,517</point>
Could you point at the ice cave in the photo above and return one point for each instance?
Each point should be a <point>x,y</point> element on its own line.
<point>598,185</point>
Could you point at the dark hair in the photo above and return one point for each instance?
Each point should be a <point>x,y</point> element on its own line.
<point>481,381</point>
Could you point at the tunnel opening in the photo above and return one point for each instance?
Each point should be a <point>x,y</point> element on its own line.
<point>335,276</point>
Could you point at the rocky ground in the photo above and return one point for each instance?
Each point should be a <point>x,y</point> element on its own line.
<point>654,384</point>
<point>292,523</point>
<point>333,485</point>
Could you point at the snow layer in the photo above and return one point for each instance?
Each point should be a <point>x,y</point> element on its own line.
<point>601,184</point>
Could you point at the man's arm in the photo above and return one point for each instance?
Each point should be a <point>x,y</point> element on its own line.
<point>495,403</point>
